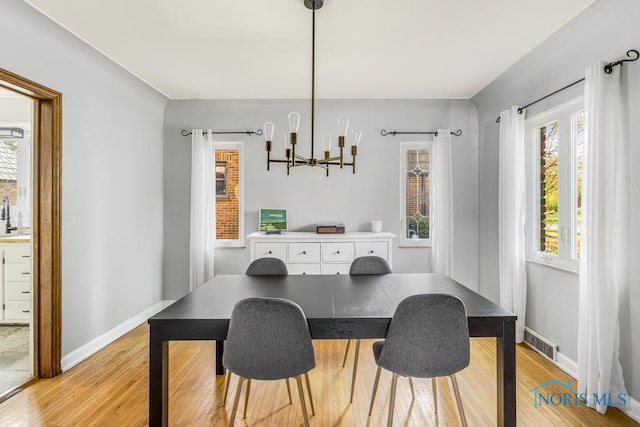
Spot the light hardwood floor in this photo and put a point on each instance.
(110, 388)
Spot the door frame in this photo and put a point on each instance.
(47, 220)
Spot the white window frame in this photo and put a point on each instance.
(403, 241)
(239, 242)
(566, 259)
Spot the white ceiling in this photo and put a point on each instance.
(234, 49)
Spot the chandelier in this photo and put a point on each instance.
(293, 159)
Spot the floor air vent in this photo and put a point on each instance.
(541, 344)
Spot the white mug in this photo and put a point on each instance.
(376, 226)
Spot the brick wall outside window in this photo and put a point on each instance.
(228, 206)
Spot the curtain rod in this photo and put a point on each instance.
(607, 69)
(384, 132)
(248, 132)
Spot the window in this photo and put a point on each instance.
(229, 191)
(556, 141)
(221, 178)
(414, 194)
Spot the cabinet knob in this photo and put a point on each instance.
(269, 252)
(338, 273)
(304, 252)
(371, 251)
(338, 252)
(303, 273)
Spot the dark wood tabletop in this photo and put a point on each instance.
(336, 306)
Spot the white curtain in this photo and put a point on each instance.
(441, 186)
(203, 209)
(604, 262)
(512, 216)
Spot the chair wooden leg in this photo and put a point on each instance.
(392, 399)
(246, 399)
(456, 391)
(289, 391)
(346, 353)
(302, 401)
(434, 391)
(227, 381)
(355, 370)
(375, 389)
(235, 401)
(306, 378)
(413, 393)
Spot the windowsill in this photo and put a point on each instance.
(552, 265)
(408, 245)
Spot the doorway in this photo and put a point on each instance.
(45, 233)
(16, 287)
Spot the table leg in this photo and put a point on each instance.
(158, 378)
(506, 374)
(219, 351)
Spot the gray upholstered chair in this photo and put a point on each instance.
(267, 267)
(428, 338)
(268, 339)
(363, 265)
(261, 267)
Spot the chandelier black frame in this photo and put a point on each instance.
(293, 159)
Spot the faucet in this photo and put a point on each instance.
(6, 214)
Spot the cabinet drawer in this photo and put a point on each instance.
(17, 291)
(337, 268)
(337, 252)
(271, 249)
(17, 272)
(372, 248)
(17, 253)
(17, 310)
(304, 252)
(303, 268)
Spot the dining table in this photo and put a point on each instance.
(336, 307)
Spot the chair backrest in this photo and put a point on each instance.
(369, 264)
(268, 339)
(428, 337)
(267, 267)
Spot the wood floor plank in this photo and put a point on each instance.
(111, 388)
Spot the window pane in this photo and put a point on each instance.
(228, 203)
(549, 188)
(579, 142)
(417, 188)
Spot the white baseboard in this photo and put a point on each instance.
(567, 365)
(78, 355)
(632, 409)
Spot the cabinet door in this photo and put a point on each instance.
(337, 251)
(17, 291)
(17, 310)
(17, 253)
(17, 272)
(271, 250)
(303, 268)
(304, 252)
(380, 249)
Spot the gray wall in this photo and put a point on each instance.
(309, 196)
(112, 174)
(606, 30)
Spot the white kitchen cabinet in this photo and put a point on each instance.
(15, 282)
(311, 253)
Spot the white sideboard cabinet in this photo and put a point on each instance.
(311, 253)
(15, 282)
